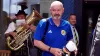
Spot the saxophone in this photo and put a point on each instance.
(22, 33)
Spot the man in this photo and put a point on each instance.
(21, 15)
(72, 21)
(57, 35)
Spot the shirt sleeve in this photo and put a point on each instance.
(10, 28)
(69, 33)
(38, 35)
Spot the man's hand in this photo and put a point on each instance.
(32, 27)
(25, 25)
(76, 51)
(13, 34)
(56, 51)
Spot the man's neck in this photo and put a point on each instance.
(56, 22)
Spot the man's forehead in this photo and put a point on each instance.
(56, 3)
(21, 15)
(72, 16)
(56, 7)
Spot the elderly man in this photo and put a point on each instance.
(57, 34)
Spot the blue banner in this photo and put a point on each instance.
(69, 8)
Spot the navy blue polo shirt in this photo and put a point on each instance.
(56, 37)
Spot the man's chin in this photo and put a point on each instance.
(74, 23)
(56, 18)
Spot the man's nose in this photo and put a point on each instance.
(56, 12)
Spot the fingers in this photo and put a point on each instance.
(25, 25)
(58, 52)
(76, 51)
(33, 28)
(13, 34)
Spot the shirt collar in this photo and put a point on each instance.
(52, 23)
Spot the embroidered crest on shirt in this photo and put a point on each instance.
(63, 32)
(49, 31)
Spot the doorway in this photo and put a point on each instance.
(91, 11)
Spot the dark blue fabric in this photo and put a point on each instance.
(56, 37)
(69, 8)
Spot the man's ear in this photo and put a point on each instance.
(63, 10)
(50, 9)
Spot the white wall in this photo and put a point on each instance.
(44, 6)
(10, 6)
(31, 2)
